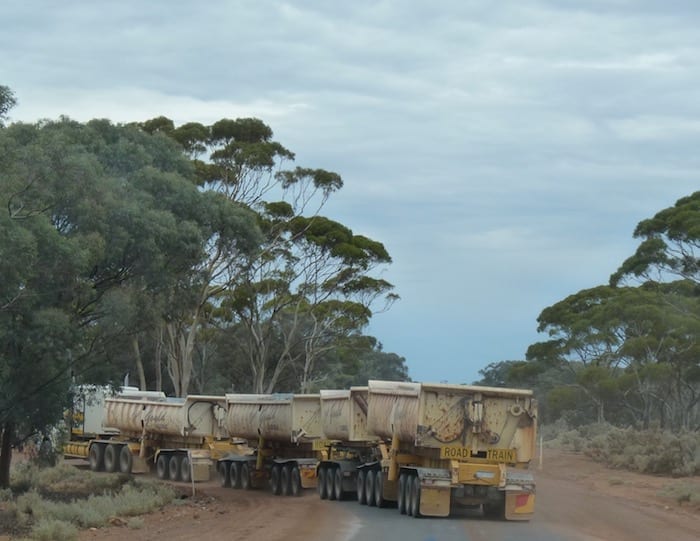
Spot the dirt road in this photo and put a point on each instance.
(578, 500)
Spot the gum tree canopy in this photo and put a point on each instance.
(93, 217)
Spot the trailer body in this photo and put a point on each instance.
(283, 430)
(134, 431)
(436, 446)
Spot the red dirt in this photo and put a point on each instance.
(575, 494)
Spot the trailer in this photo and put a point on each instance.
(348, 443)
(136, 431)
(284, 431)
(439, 446)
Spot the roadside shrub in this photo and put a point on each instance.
(683, 493)
(653, 450)
(54, 530)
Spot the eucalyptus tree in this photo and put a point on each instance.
(310, 279)
(627, 348)
(93, 216)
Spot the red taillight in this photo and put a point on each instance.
(521, 500)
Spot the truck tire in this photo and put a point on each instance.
(401, 494)
(322, 491)
(378, 489)
(185, 469)
(224, 480)
(295, 480)
(234, 475)
(162, 466)
(245, 477)
(330, 483)
(369, 488)
(496, 509)
(361, 498)
(415, 496)
(275, 481)
(285, 480)
(96, 457)
(174, 468)
(111, 458)
(338, 484)
(126, 459)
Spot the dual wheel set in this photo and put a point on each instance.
(330, 483)
(285, 479)
(110, 457)
(173, 466)
(370, 489)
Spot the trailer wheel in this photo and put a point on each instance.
(330, 484)
(245, 477)
(174, 468)
(338, 484)
(361, 498)
(96, 457)
(224, 474)
(401, 496)
(275, 482)
(286, 481)
(162, 466)
(126, 459)
(322, 492)
(369, 488)
(185, 469)
(234, 475)
(415, 497)
(496, 509)
(379, 489)
(111, 458)
(296, 481)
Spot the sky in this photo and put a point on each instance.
(503, 152)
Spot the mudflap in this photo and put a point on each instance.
(519, 505)
(520, 495)
(435, 501)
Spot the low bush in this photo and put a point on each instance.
(646, 451)
(52, 503)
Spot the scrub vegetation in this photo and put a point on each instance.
(54, 503)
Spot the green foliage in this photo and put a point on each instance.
(54, 497)
(7, 102)
(653, 451)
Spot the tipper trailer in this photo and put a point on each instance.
(134, 431)
(348, 442)
(283, 430)
(437, 446)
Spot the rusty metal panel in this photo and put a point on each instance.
(253, 415)
(463, 421)
(133, 416)
(275, 417)
(392, 409)
(306, 417)
(344, 415)
(204, 416)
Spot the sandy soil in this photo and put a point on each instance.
(574, 494)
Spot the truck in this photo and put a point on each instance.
(433, 447)
(283, 430)
(136, 431)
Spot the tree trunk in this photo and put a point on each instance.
(8, 433)
(139, 364)
(157, 360)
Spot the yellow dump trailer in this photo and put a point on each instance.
(135, 431)
(283, 430)
(439, 446)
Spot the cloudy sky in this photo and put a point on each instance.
(502, 151)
